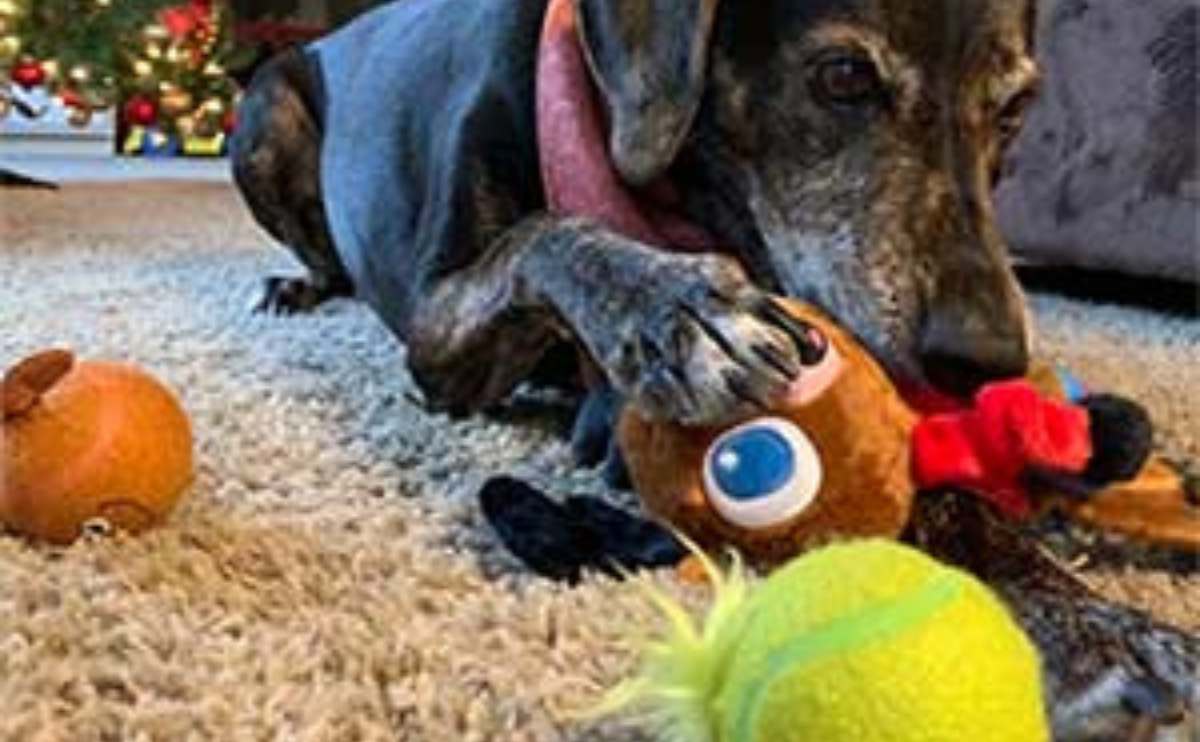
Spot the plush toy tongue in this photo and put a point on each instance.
(577, 172)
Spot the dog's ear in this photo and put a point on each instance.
(649, 58)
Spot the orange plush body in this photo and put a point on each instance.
(89, 440)
(852, 415)
(848, 443)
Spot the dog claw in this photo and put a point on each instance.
(741, 388)
(287, 296)
(1119, 705)
(615, 471)
(592, 433)
(704, 347)
(811, 345)
(781, 362)
(1152, 698)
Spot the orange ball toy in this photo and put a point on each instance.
(88, 440)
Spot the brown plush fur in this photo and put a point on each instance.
(860, 427)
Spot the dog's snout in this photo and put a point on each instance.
(961, 350)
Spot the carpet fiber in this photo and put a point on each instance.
(329, 576)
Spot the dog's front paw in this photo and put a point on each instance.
(289, 295)
(707, 348)
(1120, 706)
(282, 295)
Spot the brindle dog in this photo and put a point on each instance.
(846, 148)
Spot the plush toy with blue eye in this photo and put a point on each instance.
(831, 460)
(843, 455)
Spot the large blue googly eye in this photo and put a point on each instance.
(762, 474)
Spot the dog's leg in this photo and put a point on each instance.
(684, 337)
(276, 163)
(594, 424)
(1109, 669)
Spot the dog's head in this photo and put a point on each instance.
(849, 145)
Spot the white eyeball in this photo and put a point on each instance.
(762, 473)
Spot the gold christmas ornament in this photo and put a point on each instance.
(142, 68)
(51, 68)
(153, 50)
(80, 74)
(8, 8)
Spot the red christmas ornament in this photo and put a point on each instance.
(140, 111)
(179, 22)
(28, 74)
(183, 20)
(72, 99)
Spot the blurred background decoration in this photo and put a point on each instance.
(163, 67)
(159, 77)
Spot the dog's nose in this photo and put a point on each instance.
(961, 352)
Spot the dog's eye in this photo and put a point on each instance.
(846, 79)
(762, 474)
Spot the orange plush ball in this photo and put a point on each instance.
(88, 440)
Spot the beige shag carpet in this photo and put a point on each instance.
(329, 576)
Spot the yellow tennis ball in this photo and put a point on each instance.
(867, 641)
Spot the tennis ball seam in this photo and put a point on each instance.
(875, 623)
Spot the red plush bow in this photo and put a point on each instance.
(1011, 429)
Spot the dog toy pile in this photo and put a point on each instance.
(867, 640)
(844, 456)
(83, 441)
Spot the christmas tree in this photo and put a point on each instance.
(162, 62)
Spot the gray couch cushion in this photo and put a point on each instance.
(1105, 173)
